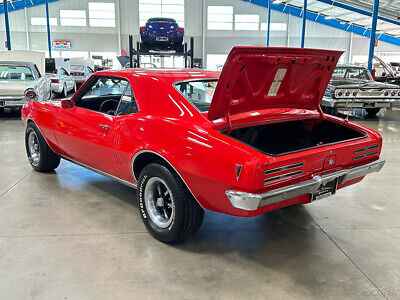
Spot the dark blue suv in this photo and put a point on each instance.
(161, 34)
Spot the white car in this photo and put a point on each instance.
(21, 82)
(81, 73)
(62, 82)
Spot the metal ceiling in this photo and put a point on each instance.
(389, 12)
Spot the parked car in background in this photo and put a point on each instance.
(382, 72)
(161, 34)
(353, 87)
(62, 82)
(167, 133)
(21, 82)
(81, 73)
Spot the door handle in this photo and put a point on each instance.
(105, 127)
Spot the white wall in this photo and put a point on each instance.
(215, 41)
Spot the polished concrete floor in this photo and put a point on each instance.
(74, 234)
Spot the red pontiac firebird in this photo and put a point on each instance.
(245, 141)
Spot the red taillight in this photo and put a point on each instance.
(393, 93)
(180, 29)
(30, 95)
(398, 94)
(340, 94)
(347, 93)
(354, 93)
(386, 93)
(142, 29)
(54, 80)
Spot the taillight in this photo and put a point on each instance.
(347, 93)
(366, 151)
(354, 93)
(31, 95)
(282, 172)
(340, 94)
(393, 93)
(386, 93)
(142, 29)
(180, 29)
(54, 80)
(398, 94)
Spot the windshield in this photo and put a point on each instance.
(351, 73)
(15, 73)
(77, 67)
(199, 93)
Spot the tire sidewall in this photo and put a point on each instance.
(170, 233)
(29, 129)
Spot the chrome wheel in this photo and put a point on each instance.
(34, 148)
(159, 202)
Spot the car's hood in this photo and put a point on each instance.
(359, 83)
(15, 88)
(255, 78)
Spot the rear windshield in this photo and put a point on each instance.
(15, 73)
(161, 20)
(198, 93)
(351, 73)
(77, 67)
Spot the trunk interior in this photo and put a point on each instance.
(280, 138)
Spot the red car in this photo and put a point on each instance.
(242, 142)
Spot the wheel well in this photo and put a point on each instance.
(143, 160)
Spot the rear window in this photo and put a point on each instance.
(77, 67)
(198, 93)
(15, 73)
(161, 20)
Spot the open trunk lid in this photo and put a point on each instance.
(255, 78)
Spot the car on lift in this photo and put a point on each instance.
(21, 82)
(245, 141)
(161, 34)
(353, 87)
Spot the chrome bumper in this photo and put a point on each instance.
(248, 201)
(360, 103)
(12, 101)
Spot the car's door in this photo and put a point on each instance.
(67, 79)
(83, 131)
(42, 84)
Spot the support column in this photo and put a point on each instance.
(303, 29)
(372, 37)
(5, 3)
(268, 21)
(28, 46)
(48, 27)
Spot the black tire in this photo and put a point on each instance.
(47, 160)
(372, 111)
(188, 214)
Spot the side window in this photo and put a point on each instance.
(102, 94)
(127, 105)
(90, 70)
(65, 73)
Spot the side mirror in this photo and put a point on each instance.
(67, 103)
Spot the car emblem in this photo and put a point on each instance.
(331, 162)
(238, 171)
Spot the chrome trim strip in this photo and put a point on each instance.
(251, 202)
(367, 148)
(282, 168)
(298, 172)
(132, 185)
(150, 151)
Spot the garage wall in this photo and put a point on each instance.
(215, 41)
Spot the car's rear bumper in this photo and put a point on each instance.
(251, 202)
(360, 103)
(12, 101)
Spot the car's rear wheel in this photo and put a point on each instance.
(40, 156)
(168, 210)
(372, 111)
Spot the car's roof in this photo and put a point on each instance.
(16, 63)
(167, 75)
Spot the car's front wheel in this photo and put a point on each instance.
(167, 208)
(40, 156)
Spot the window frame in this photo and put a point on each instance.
(89, 84)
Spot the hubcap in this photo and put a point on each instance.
(159, 202)
(34, 150)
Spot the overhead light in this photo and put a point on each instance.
(329, 17)
(277, 1)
